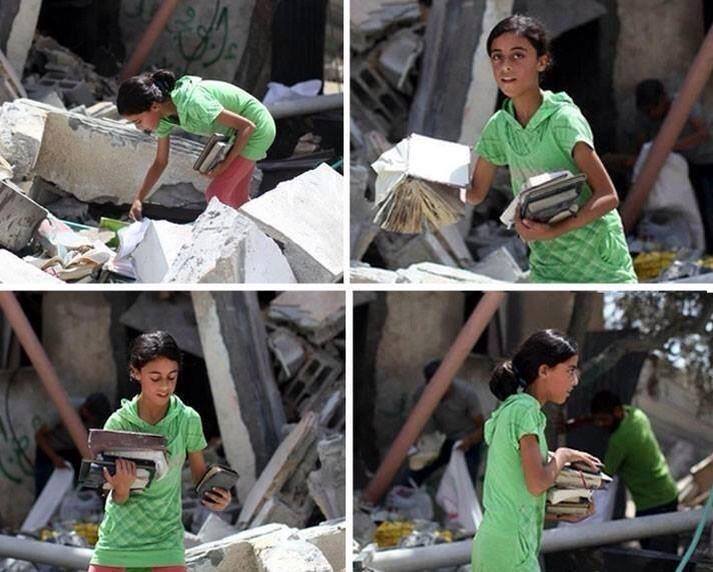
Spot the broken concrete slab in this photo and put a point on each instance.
(289, 351)
(327, 485)
(501, 265)
(155, 254)
(21, 32)
(294, 555)
(306, 215)
(330, 538)
(319, 315)
(429, 273)
(362, 273)
(14, 270)
(227, 247)
(19, 217)
(97, 160)
(215, 528)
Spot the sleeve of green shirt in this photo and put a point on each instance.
(164, 128)
(570, 127)
(195, 440)
(490, 146)
(202, 108)
(524, 421)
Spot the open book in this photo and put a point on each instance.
(215, 151)
(217, 476)
(546, 198)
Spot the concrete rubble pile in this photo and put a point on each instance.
(399, 54)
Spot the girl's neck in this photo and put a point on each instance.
(149, 412)
(526, 105)
(538, 392)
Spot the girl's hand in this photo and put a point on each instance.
(135, 211)
(530, 230)
(218, 169)
(574, 456)
(123, 478)
(216, 499)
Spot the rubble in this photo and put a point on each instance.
(312, 241)
(155, 255)
(362, 273)
(14, 270)
(330, 500)
(430, 273)
(19, 217)
(320, 315)
(21, 32)
(226, 246)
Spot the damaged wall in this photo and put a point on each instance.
(419, 326)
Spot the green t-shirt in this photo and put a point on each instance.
(147, 530)
(199, 102)
(509, 536)
(634, 454)
(596, 252)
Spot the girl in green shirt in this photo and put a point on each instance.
(518, 473)
(144, 531)
(158, 103)
(539, 131)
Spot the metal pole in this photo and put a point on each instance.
(435, 390)
(32, 346)
(306, 106)
(45, 553)
(553, 540)
(693, 85)
(152, 33)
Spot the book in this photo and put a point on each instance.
(91, 474)
(216, 476)
(101, 440)
(215, 151)
(575, 509)
(418, 184)
(556, 496)
(546, 198)
(571, 478)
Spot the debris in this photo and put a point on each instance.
(430, 273)
(320, 315)
(158, 249)
(10, 85)
(500, 265)
(418, 184)
(398, 58)
(327, 485)
(49, 500)
(226, 246)
(14, 270)
(361, 273)
(215, 528)
(305, 215)
(288, 350)
(695, 487)
(19, 217)
(22, 126)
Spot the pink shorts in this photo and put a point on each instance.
(232, 186)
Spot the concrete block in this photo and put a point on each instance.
(430, 273)
(227, 247)
(215, 528)
(306, 215)
(19, 217)
(14, 270)
(500, 265)
(294, 555)
(105, 161)
(365, 274)
(318, 315)
(327, 484)
(22, 31)
(155, 254)
(22, 126)
(330, 537)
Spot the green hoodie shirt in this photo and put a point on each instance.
(147, 529)
(510, 533)
(596, 252)
(199, 102)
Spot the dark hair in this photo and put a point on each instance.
(527, 27)
(605, 402)
(649, 93)
(546, 347)
(137, 94)
(152, 345)
(429, 370)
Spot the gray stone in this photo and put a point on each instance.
(14, 270)
(215, 528)
(330, 537)
(227, 247)
(161, 244)
(306, 215)
(361, 273)
(22, 32)
(500, 265)
(430, 273)
(294, 555)
(19, 217)
(22, 125)
(327, 485)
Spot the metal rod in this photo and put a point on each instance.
(432, 394)
(32, 346)
(45, 552)
(553, 540)
(671, 128)
(147, 41)
(306, 106)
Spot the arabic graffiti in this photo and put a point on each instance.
(14, 452)
(200, 38)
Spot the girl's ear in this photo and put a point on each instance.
(543, 370)
(134, 374)
(543, 63)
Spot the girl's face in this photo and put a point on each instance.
(561, 379)
(516, 66)
(148, 120)
(157, 379)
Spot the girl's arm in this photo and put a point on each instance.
(244, 127)
(122, 480)
(480, 181)
(604, 199)
(153, 175)
(541, 476)
(216, 498)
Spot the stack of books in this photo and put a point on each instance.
(215, 151)
(419, 183)
(217, 476)
(573, 490)
(147, 450)
(546, 198)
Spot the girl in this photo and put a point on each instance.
(157, 103)
(518, 474)
(539, 131)
(144, 530)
